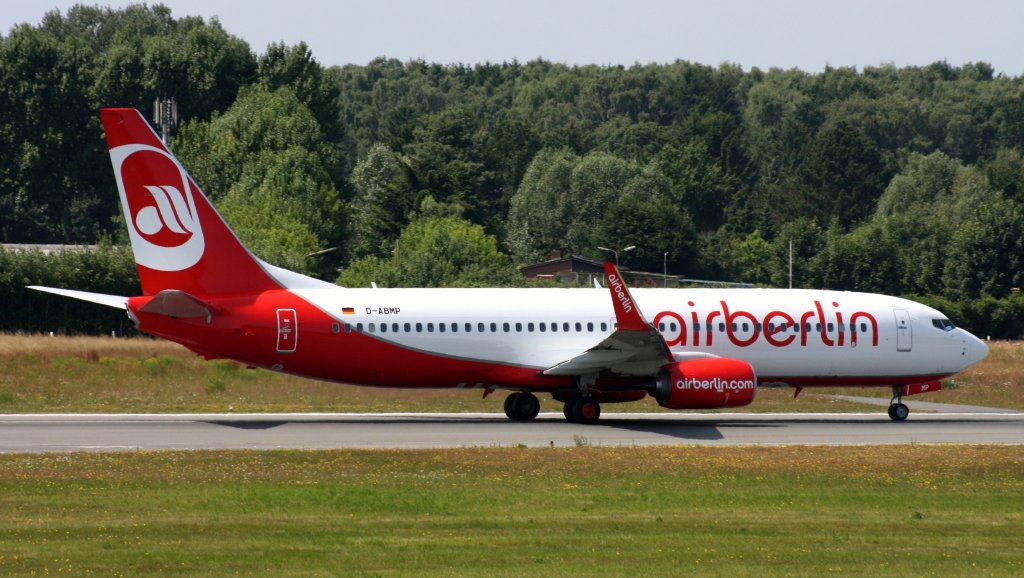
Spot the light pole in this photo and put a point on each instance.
(664, 269)
(616, 252)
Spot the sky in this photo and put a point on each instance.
(804, 34)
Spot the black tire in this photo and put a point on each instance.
(586, 411)
(899, 411)
(567, 410)
(526, 406)
(510, 405)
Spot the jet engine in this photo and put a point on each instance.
(705, 383)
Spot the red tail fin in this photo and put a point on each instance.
(627, 313)
(179, 240)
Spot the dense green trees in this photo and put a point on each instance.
(902, 180)
(436, 251)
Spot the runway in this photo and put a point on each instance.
(113, 432)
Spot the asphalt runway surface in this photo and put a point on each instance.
(81, 432)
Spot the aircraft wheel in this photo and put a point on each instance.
(898, 411)
(526, 406)
(586, 410)
(567, 409)
(510, 405)
(522, 406)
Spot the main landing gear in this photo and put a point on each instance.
(522, 406)
(584, 410)
(898, 410)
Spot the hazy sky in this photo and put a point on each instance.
(806, 34)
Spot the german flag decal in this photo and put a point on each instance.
(348, 310)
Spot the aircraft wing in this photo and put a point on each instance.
(634, 348)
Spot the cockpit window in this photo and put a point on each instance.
(943, 324)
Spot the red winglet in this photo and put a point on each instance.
(627, 313)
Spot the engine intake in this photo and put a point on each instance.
(705, 384)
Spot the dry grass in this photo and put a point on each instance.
(85, 347)
(140, 374)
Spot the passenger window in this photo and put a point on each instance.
(505, 327)
(440, 327)
(519, 327)
(348, 328)
(383, 327)
(542, 326)
(373, 328)
(469, 328)
(554, 327)
(419, 328)
(830, 328)
(565, 326)
(430, 327)
(494, 327)
(529, 327)
(604, 326)
(579, 327)
(863, 327)
(733, 326)
(721, 327)
(335, 328)
(661, 327)
(480, 327)
(590, 326)
(407, 328)
(359, 327)
(817, 327)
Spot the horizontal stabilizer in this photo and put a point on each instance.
(100, 298)
(179, 305)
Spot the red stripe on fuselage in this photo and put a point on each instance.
(247, 333)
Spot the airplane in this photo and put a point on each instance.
(701, 348)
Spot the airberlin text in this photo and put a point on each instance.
(620, 293)
(717, 384)
(778, 328)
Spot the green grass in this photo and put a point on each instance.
(917, 510)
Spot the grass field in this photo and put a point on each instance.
(807, 511)
(101, 374)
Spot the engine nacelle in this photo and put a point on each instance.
(705, 384)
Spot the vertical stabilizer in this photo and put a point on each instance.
(179, 240)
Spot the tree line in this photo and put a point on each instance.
(906, 181)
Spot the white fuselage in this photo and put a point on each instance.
(789, 336)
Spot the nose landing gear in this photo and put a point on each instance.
(898, 411)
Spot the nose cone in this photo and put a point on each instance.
(974, 350)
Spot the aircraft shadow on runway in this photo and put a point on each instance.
(705, 430)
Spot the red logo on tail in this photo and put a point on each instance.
(159, 205)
